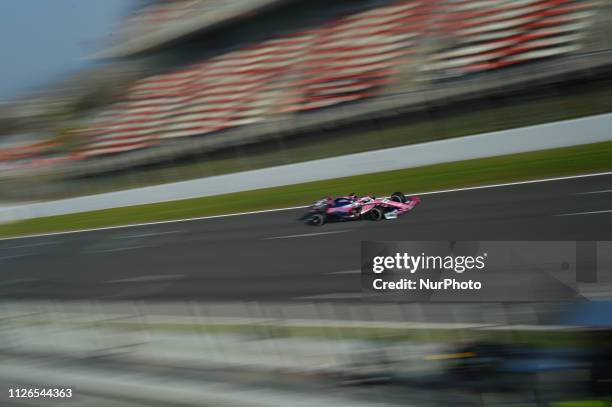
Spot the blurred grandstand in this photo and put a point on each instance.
(219, 74)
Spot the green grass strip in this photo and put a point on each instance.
(590, 158)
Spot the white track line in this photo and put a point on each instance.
(172, 232)
(148, 279)
(305, 235)
(15, 256)
(163, 222)
(509, 184)
(594, 192)
(345, 272)
(300, 207)
(121, 249)
(23, 246)
(330, 296)
(585, 213)
(18, 281)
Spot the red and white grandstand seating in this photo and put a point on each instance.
(25, 151)
(491, 34)
(348, 59)
(29, 155)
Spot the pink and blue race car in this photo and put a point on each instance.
(353, 207)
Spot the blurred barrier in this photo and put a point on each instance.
(266, 354)
(552, 135)
(297, 337)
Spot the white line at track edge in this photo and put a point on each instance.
(306, 235)
(585, 213)
(595, 192)
(344, 272)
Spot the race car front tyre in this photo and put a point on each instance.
(375, 214)
(318, 219)
(398, 197)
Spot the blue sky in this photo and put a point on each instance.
(42, 40)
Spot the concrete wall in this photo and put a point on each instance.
(552, 135)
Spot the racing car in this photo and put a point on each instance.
(353, 207)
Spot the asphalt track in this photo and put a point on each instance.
(273, 257)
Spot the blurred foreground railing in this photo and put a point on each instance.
(263, 354)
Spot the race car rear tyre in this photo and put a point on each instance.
(375, 214)
(318, 219)
(398, 197)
